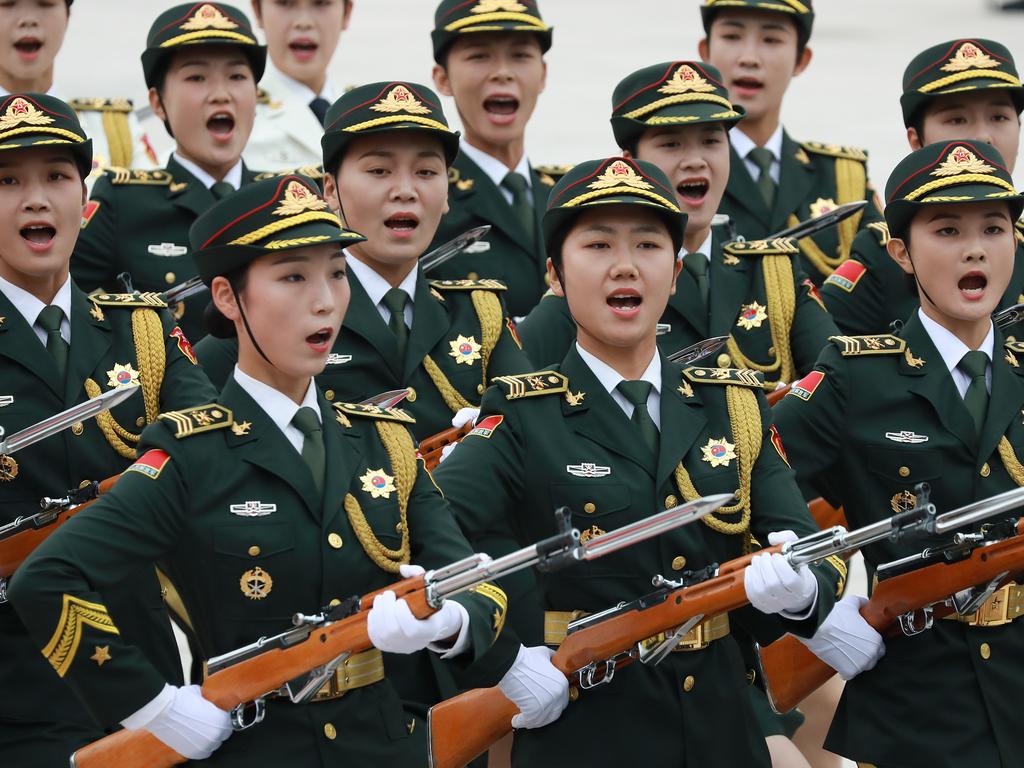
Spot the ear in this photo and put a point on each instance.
(441, 80)
(156, 103)
(224, 298)
(703, 49)
(85, 196)
(331, 191)
(553, 282)
(804, 61)
(544, 76)
(897, 249)
(627, 154)
(913, 139)
(348, 14)
(675, 275)
(447, 207)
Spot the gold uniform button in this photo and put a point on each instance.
(986, 651)
(85, 484)
(170, 278)
(590, 508)
(77, 428)
(335, 541)
(329, 394)
(140, 422)
(334, 601)
(480, 389)
(574, 693)
(986, 470)
(670, 501)
(254, 551)
(678, 563)
(399, 527)
(473, 276)
(330, 731)
(904, 471)
(724, 361)
(411, 396)
(689, 682)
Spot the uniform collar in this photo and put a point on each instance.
(610, 378)
(297, 89)
(705, 247)
(279, 407)
(233, 177)
(375, 285)
(743, 143)
(494, 168)
(51, 92)
(30, 307)
(950, 348)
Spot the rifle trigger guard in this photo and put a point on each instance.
(238, 719)
(587, 680)
(909, 625)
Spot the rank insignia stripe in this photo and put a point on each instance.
(203, 418)
(151, 463)
(741, 377)
(906, 436)
(587, 469)
(856, 346)
(805, 388)
(847, 275)
(532, 384)
(485, 427)
(76, 614)
(252, 508)
(89, 211)
(374, 412)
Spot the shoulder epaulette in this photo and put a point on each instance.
(532, 384)
(550, 174)
(101, 105)
(468, 285)
(262, 96)
(835, 150)
(119, 176)
(315, 172)
(131, 300)
(203, 418)
(780, 246)
(455, 177)
(1014, 346)
(881, 230)
(374, 412)
(742, 377)
(854, 346)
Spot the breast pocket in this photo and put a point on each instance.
(905, 466)
(253, 565)
(593, 503)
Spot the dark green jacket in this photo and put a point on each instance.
(179, 511)
(961, 708)
(871, 290)
(534, 433)
(138, 222)
(41, 712)
(364, 360)
(737, 282)
(474, 200)
(809, 178)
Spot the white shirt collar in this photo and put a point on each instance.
(376, 286)
(610, 379)
(743, 143)
(704, 249)
(29, 306)
(233, 177)
(278, 406)
(950, 348)
(301, 90)
(51, 92)
(494, 168)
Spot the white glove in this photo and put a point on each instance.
(845, 641)
(773, 586)
(536, 686)
(393, 628)
(446, 451)
(464, 416)
(408, 571)
(183, 720)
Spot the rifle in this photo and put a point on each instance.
(297, 662)
(595, 646)
(910, 594)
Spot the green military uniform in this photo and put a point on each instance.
(115, 340)
(814, 177)
(870, 290)
(137, 221)
(877, 416)
(227, 505)
(509, 253)
(556, 437)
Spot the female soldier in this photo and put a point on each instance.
(939, 402)
(60, 347)
(616, 432)
(267, 502)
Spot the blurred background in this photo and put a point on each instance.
(849, 95)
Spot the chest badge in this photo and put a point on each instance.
(6, 400)
(241, 429)
(256, 583)
(718, 453)
(465, 350)
(378, 483)
(906, 436)
(821, 206)
(166, 249)
(751, 316)
(904, 501)
(587, 469)
(253, 509)
(591, 532)
(574, 398)
(685, 389)
(335, 359)
(122, 375)
(8, 468)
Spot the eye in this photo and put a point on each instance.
(649, 245)
(956, 120)
(239, 76)
(947, 232)
(194, 78)
(669, 144)
(58, 176)
(428, 172)
(994, 229)
(597, 245)
(340, 274)
(712, 140)
(1000, 118)
(8, 181)
(293, 277)
(377, 171)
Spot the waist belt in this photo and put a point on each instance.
(556, 624)
(357, 671)
(1005, 605)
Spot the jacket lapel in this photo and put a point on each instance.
(430, 322)
(90, 341)
(19, 343)
(342, 448)
(483, 200)
(186, 191)
(363, 319)
(729, 284)
(294, 117)
(1005, 402)
(686, 303)
(743, 191)
(682, 421)
(795, 180)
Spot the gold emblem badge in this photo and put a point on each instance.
(208, 17)
(400, 99)
(492, 6)
(751, 316)
(685, 389)
(97, 313)
(686, 80)
(962, 160)
(822, 205)
(378, 483)
(574, 398)
(21, 111)
(464, 185)
(591, 532)
(619, 173)
(256, 583)
(913, 362)
(1012, 359)
(122, 375)
(241, 429)
(8, 468)
(718, 453)
(903, 501)
(102, 655)
(969, 56)
(465, 350)
(298, 198)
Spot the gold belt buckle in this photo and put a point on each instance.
(695, 639)
(332, 689)
(995, 611)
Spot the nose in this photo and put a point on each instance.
(624, 265)
(36, 199)
(403, 189)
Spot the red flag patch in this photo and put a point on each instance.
(486, 427)
(150, 464)
(777, 442)
(184, 344)
(806, 386)
(813, 292)
(89, 211)
(847, 275)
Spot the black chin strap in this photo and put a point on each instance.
(245, 321)
(921, 288)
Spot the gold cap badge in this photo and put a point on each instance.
(298, 198)
(491, 6)
(208, 17)
(21, 111)
(400, 99)
(619, 173)
(962, 160)
(969, 56)
(686, 80)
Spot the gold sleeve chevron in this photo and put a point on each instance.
(75, 615)
(856, 346)
(840, 565)
(881, 230)
(497, 596)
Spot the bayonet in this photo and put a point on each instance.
(451, 249)
(697, 351)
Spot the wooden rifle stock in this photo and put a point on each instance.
(16, 548)
(777, 394)
(791, 672)
(430, 448)
(251, 679)
(827, 516)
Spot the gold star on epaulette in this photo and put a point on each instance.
(102, 655)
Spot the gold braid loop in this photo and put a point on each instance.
(116, 435)
(449, 393)
(851, 183)
(402, 453)
(1010, 461)
(488, 312)
(745, 422)
(781, 299)
(119, 138)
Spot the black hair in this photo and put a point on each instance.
(216, 323)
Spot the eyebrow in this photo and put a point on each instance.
(390, 153)
(763, 25)
(52, 160)
(199, 62)
(289, 258)
(638, 229)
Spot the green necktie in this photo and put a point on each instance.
(49, 320)
(697, 265)
(637, 392)
(522, 205)
(975, 364)
(763, 159)
(395, 300)
(306, 421)
(221, 189)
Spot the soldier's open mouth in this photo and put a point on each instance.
(693, 190)
(303, 49)
(221, 124)
(39, 234)
(402, 223)
(747, 85)
(28, 45)
(972, 285)
(502, 105)
(624, 302)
